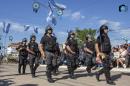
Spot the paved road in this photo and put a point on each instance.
(9, 77)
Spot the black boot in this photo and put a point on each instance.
(110, 82)
(24, 68)
(19, 68)
(50, 80)
(33, 74)
(71, 75)
(54, 72)
(97, 76)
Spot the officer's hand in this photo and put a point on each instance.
(98, 57)
(43, 55)
(98, 54)
(73, 53)
(33, 53)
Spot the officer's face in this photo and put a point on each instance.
(24, 43)
(106, 31)
(33, 39)
(72, 35)
(50, 31)
(89, 39)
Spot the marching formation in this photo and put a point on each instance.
(49, 50)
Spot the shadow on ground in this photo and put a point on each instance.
(6, 82)
(18, 74)
(116, 77)
(29, 85)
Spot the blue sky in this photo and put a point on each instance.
(79, 13)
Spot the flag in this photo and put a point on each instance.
(26, 27)
(4, 27)
(7, 28)
(36, 30)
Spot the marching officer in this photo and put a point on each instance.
(103, 50)
(47, 48)
(34, 55)
(89, 51)
(23, 54)
(72, 54)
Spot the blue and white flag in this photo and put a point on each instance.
(26, 27)
(36, 30)
(7, 28)
(54, 21)
(4, 24)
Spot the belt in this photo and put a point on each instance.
(52, 51)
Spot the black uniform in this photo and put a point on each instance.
(49, 44)
(56, 60)
(33, 58)
(89, 57)
(72, 59)
(23, 54)
(105, 47)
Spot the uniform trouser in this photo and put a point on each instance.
(89, 60)
(71, 63)
(55, 63)
(34, 63)
(51, 62)
(106, 68)
(22, 63)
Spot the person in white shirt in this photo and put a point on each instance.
(121, 59)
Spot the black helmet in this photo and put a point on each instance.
(88, 37)
(102, 28)
(48, 28)
(71, 33)
(32, 36)
(24, 40)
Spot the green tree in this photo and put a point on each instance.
(81, 34)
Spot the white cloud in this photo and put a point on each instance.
(1, 25)
(61, 36)
(67, 13)
(111, 24)
(77, 16)
(17, 27)
(62, 33)
(103, 21)
(95, 18)
(74, 15)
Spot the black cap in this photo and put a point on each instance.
(104, 27)
(49, 27)
(32, 36)
(24, 40)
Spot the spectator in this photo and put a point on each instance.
(116, 56)
(127, 61)
(122, 57)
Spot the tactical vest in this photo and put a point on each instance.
(50, 44)
(73, 45)
(23, 51)
(33, 47)
(105, 45)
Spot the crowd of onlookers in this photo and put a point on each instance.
(121, 55)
